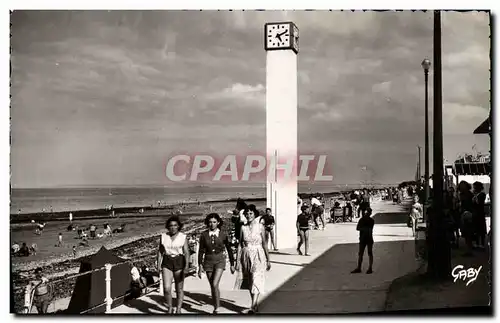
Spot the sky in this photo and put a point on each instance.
(107, 97)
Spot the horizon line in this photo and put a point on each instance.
(189, 185)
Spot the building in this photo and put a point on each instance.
(472, 167)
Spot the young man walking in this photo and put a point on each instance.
(365, 228)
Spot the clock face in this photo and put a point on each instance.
(278, 36)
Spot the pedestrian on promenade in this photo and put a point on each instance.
(172, 261)
(364, 203)
(38, 293)
(466, 211)
(299, 204)
(253, 258)
(365, 228)
(317, 211)
(238, 217)
(479, 216)
(451, 207)
(268, 221)
(211, 258)
(354, 202)
(303, 229)
(415, 213)
(237, 224)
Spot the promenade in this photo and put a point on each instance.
(321, 283)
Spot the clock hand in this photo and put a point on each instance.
(281, 34)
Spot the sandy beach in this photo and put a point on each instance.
(139, 241)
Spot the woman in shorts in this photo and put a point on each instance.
(303, 229)
(172, 254)
(211, 258)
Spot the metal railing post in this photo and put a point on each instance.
(109, 299)
(160, 281)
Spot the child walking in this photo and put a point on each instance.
(365, 228)
(303, 229)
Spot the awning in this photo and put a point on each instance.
(472, 169)
(484, 128)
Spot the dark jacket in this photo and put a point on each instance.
(209, 246)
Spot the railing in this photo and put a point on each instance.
(108, 299)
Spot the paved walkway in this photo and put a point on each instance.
(321, 283)
(415, 292)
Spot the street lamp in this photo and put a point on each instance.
(439, 253)
(426, 64)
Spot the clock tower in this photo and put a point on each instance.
(282, 46)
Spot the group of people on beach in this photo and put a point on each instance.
(23, 250)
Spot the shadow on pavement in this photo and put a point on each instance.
(415, 291)
(391, 218)
(392, 235)
(204, 299)
(287, 263)
(147, 307)
(327, 286)
(282, 253)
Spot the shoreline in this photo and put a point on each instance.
(133, 211)
(123, 212)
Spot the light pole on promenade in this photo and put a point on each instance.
(426, 64)
(439, 253)
(419, 165)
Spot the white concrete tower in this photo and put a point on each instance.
(281, 45)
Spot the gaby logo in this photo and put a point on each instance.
(469, 275)
(244, 168)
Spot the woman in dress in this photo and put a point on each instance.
(253, 258)
(211, 258)
(172, 255)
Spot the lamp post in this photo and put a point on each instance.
(426, 64)
(419, 165)
(439, 253)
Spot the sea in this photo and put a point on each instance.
(35, 200)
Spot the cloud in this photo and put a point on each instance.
(384, 87)
(462, 118)
(252, 96)
(137, 85)
(244, 89)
